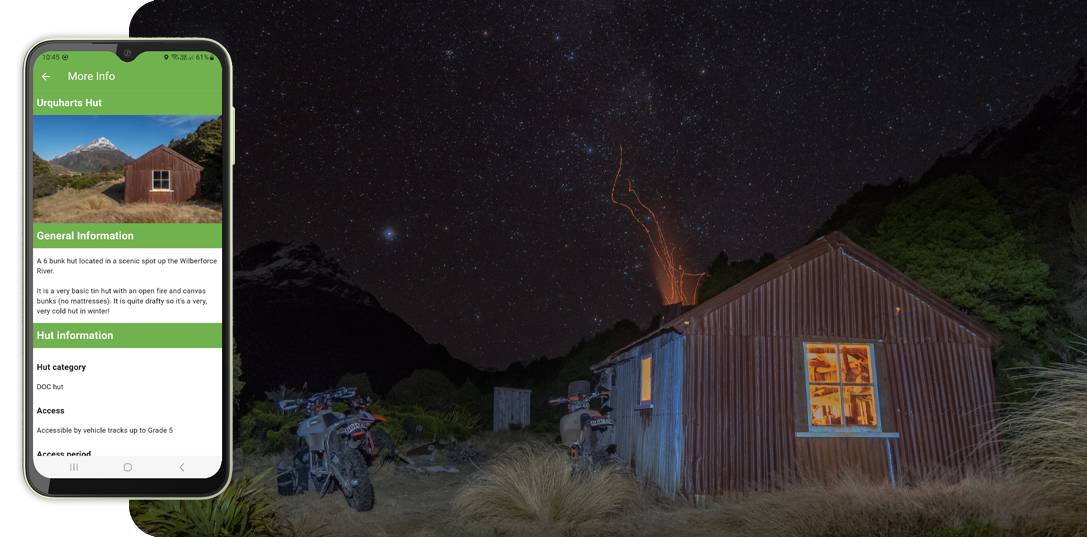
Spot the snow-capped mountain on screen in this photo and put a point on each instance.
(91, 157)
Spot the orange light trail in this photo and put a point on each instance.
(672, 288)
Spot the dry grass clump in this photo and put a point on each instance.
(95, 203)
(92, 206)
(1045, 439)
(857, 507)
(536, 483)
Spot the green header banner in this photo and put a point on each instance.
(128, 335)
(155, 83)
(128, 236)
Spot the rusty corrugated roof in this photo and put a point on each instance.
(820, 246)
(171, 152)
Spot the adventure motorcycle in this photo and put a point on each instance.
(577, 427)
(333, 447)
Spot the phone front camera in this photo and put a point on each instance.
(128, 53)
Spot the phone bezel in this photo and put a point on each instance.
(127, 488)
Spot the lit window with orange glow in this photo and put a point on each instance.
(646, 396)
(841, 387)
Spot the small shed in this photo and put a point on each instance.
(511, 407)
(162, 175)
(828, 361)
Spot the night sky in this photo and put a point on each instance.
(457, 157)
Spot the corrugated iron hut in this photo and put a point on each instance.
(828, 360)
(511, 407)
(162, 175)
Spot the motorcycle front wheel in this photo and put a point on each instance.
(357, 489)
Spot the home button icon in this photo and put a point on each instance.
(128, 467)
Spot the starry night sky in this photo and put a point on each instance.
(457, 157)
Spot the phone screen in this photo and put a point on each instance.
(127, 268)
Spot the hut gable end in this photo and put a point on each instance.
(834, 287)
(180, 159)
(142, 174)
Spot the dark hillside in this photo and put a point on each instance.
(299, 319)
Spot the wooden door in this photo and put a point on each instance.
(162, 196)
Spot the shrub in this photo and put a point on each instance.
(953, 237)
(425, 387)
(394, 427)
(44, 185)
(41, 166)
(434, 425)
(79, 182)
(537, 483)
(468, 398)
(359, 381)
(265, 429)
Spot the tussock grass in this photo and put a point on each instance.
(92, 206)
(95, 203)
(534, 482)
(973, 506)
(1045, 439)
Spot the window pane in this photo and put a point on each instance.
(156, 184)
(826, 405)
(156, 175)
(166, 174)
(822, 363)
(647, 379)
(858, 364)
(860, 406)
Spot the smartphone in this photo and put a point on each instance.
(127, 335)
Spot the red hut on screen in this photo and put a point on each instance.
(162, 175)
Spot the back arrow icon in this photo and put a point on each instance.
(45, 77)
(182, 467)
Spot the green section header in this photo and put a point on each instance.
(155, 83)
(128, 335)
(128, 235)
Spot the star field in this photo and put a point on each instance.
(457, 157)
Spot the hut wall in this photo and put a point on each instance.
(511, 406)
(184, 179)
(740, 401)
(652, 440)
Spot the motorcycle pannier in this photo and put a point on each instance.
(285, 479)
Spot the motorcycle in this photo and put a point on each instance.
(578, 426)
(333, 448)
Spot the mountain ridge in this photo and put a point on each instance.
(301, 320)
(91, 157)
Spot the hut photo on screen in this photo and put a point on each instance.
(128, 169)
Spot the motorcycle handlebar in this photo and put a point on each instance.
(555, 401)
(321, 398)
